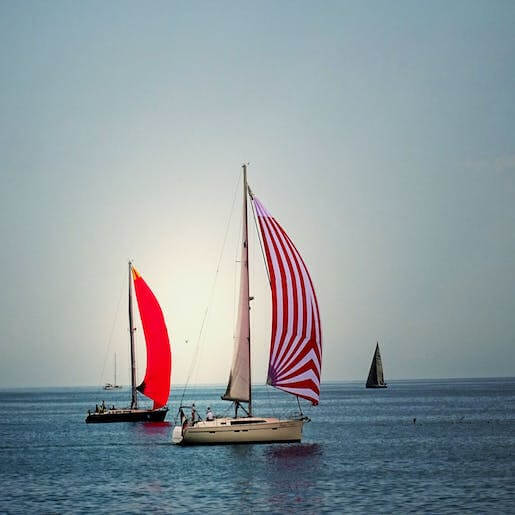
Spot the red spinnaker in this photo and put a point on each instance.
(156, 384)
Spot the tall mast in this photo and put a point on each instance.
(134, 401)
(115, 369)
(246, 263)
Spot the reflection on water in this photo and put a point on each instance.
(242, 451)
(284, 453)
(293, 472)
(154, 428)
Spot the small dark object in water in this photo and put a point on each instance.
(415, 420)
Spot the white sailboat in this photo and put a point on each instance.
(113, 386)
(295, 349)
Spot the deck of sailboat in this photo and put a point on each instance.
(241, 430)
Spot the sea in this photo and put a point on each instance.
(424, 446)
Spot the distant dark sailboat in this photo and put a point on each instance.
(156, 384)
(375, 376)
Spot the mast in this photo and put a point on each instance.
(115, 369)
(246, 263)
(134, 401)
(239, 384)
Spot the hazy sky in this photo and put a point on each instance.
(380, 135)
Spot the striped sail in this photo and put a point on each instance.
(296, 340)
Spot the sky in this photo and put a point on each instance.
(379, 134)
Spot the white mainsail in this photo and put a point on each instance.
(238, 388)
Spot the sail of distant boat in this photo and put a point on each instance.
(375, 376)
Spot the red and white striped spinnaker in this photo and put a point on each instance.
(296, 341)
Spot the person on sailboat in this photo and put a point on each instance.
(209, 414)
(184, 420)
(193, 413)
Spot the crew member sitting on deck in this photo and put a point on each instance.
(209, 414)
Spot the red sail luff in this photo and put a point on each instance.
(296, 340)
(156, 384)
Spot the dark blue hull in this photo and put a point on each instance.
(128, 415)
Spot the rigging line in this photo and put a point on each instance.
(235, 305)
(210, 300)
(112, 331)
(135, 328)
(267, 389)
(300, 409)
(260, 241)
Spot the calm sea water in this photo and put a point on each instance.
(361, 453)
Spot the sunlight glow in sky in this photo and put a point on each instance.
(380, 135)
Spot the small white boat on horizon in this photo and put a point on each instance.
(113, 386)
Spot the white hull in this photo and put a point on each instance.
(239, 430)
(112, 387)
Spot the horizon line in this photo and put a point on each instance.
(328, 382)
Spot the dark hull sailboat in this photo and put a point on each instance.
(156, 384)
(375, 376)
(128, 415)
